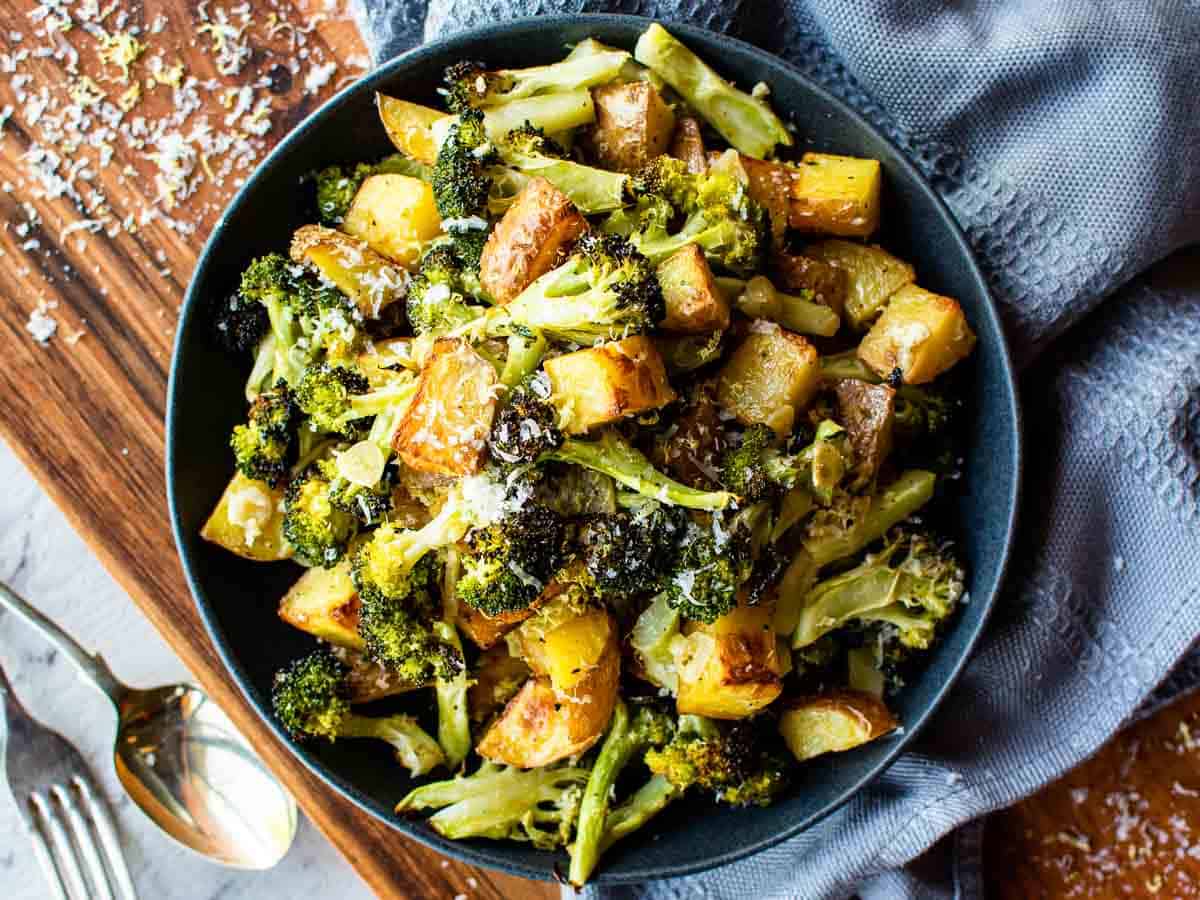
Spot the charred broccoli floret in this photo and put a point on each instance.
(511, 561)
(310, 699)
(470, 84)
(239, 324)
(912, 584)
(461, 182)
(716, 210)
(324, 394)
(262, 446)
(757, 469)
(630, 552)
(711, 566)
(630, 736)
(726, 760)
(538, 806)
(527, 425)
(318, 530)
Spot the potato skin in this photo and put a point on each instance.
(920, 333)
(694, 448)
(797, 272)
(369, 278)
(525, 244)
(688, 145)
(769, 379)
(444, 431)
(409, 126)
(264, 505)
(540, 726)
(608, 382)
(833, 722)
(867, 411)
(694, 303)
(633, 125)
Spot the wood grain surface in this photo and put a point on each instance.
(84, 410)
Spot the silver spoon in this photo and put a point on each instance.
(182, 761)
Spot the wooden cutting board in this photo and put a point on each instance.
(87, 417)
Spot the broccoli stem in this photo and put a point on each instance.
(454, 724)
(643, 805)
(745, 121)
(524, 356)
(616, 752)
(847, 365)
(560, 111)
(581, 71)
(612, 456)
(264, 366)
(592, 190)
(416, 750)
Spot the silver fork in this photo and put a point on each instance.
(72, 831)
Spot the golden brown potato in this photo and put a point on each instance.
(828, 283)
(540, 726)
(248, 521)
(831, 723)
(409, 126)
(836, 195)
(688, 145)
(325, 604)
(526, 243)
(920, 333)
(872, 273)
(567, 654)
(867, 411)
(732, 668)
(693, 302)
(370, 279)
(395, 215)
(497, 678)
(445, 429)
(486, 631)
(609, 382)
(633, 125)
(770, 378)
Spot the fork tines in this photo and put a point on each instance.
(76, 842)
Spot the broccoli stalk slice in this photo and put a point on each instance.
(525, 352)
(847, 365)
(611, 455)
(591, 189)
(263, 370)
(415, 749)
(470, 84)
(628, 738)
(454, 723)
(535, 805)
(745, 121)
(636, 810)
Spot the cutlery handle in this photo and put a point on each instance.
(90, 666)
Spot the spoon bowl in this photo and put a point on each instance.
(184, 764)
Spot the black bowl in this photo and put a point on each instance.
(237, 599)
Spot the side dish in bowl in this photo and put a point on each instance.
(618, 458)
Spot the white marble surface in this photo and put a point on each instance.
(45, 561)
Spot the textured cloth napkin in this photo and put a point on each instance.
(1065, 137)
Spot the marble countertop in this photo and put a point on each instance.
(45, 561)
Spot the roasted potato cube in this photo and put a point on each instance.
(526, 243)
(567, 654)
(497, 677)
(608, 382)
(770, 378)
(872, 273)
(370, 279)
(828, 283)
(732, 668)
(688, 145)
(368, 681)
(836, 195)
(540, 725)
(248, 521)
(833, 722)
(694, 304)
(410, 127)
(325, 604)
(633, 125)
(396, 215)
(920, 333)
(445, 429)
(867, 411)
(772, 185)
(693, 449)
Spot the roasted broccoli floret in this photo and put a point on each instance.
(262, 446)
(630, 736)
(605, 291)
(727, 760)
(716, 210)
(239, 324)
(630, 552)
(318, 530)
(612, 455)
(912, 584)
(324, 393)
(710, 568)
(538, 806)
(436, 299)
(511, 561)
(461, 182)
(469, 84)
(924, 429)
(310, 699)
(757, 469)
(527, 425)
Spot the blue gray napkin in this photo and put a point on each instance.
(1065, 137)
